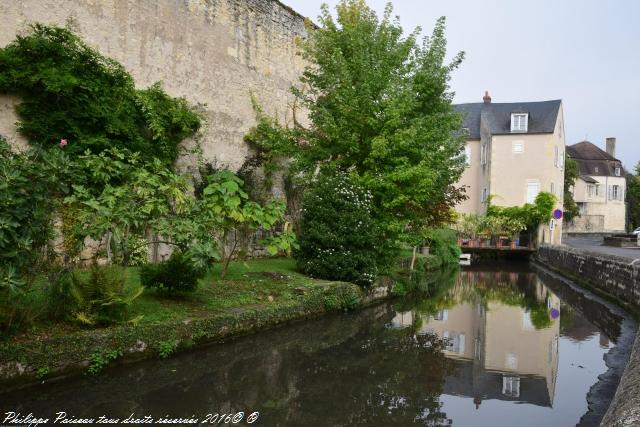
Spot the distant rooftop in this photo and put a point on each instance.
(497, 116)
(592, 160)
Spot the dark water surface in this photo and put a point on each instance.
(478, 348)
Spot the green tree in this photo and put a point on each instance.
(633, 198)
(570, 175)
(380, 108)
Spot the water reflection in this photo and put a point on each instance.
(476, 348)
(502, 329)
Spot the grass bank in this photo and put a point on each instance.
(254, 295)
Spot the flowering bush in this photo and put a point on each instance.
(339, 238)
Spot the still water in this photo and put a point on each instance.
(475, 348)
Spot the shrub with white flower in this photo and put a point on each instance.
(339, 237)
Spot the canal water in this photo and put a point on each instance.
(474, 348)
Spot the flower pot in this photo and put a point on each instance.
(424, 250)
(512, 244)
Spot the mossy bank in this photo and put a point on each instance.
(47, 354)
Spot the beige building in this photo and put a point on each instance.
(499, 352)
(599, 190)
(514, 151)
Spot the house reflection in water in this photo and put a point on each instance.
(502, 330)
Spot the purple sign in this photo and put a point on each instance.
(555, 313)
(557, 214)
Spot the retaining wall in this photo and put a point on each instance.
(620, 278)
(614, 275)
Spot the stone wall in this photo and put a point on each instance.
(620, 278)
(215, 53)
(611, 274)
(585, 224)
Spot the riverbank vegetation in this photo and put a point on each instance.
(374, 170)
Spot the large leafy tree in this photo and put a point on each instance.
(380, 108)
(633, 198)
(570, 175)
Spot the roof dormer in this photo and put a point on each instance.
(519, 122)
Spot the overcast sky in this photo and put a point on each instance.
(585, 52)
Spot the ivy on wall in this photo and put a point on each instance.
(71, 92)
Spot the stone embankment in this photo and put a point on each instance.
(617, 278)
(25, 362)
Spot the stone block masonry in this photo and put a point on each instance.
(215, 53)
(619, 277)
(616, 276)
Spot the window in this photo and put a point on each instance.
(555, 156)
(533, 188)
(590, 190)
(615, 192)
(561, 159)
(484, 195)
(595, 170)
(519, 122)
(483, 154)
(553, 188)
(467, 155)
(517, 147)
(617, 171)
(511, 361)
(597, 190)
(511, 386)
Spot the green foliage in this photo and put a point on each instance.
(571, 173)
(443, 243)
(101, 299)
(70, 91)
(42, 373)
(101, 359)
(531, 215)
(167, 348)
(123, 198)
(174, 276)
(12, 301)
(270, 143)
(380, 107)
(339, 238)
(29, 183)
(230, 216)
(633, 198)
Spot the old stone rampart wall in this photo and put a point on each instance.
(215, 53)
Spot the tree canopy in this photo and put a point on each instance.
(380, 108)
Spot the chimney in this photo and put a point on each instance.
(611, 147)
(486, 98)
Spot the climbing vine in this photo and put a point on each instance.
(71, 92)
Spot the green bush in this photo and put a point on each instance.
(71, 92)
(443, 243)
(339, 238)
(101, 298)
(173, 276)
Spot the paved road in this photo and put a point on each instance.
(594, 244)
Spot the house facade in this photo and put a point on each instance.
(599, 190)
(514, 151)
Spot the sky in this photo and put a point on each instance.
(585, 52)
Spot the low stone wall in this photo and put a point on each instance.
(619, 278)
(614, 275)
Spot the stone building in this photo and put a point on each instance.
(599, 190)
(514, 151)
(215, 53)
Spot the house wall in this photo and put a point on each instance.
(506, 174)
(212, 52)
(535, 352)
(471, 180)
(611, 214)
